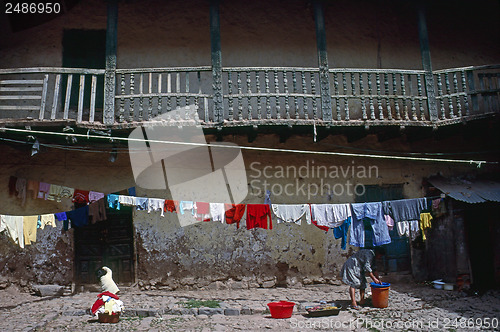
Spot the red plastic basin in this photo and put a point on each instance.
(281, 309)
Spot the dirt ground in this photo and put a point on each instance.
(412, 307)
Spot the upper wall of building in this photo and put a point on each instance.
(360, 34)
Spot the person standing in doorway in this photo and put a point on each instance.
(354, 270)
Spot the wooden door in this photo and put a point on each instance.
(106, 243)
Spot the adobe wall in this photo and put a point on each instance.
(172, 256)
(362, 34)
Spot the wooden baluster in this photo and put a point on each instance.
(346, 102)
(80, 98)
(230, 92)
(296, 99)
(448, 92)
(92, 98)
(387, 99)
(56, 96)
(403, 92)
(353, 91)
(457, 98)
(188, 98)
(249, 91)
(466, 97)
(420, 99)
(337, 97)
(150, 92)
(121, 110)
(169, 98)
(268, 98)
(197, 99)
(132, 99)
(362, 93)
(240, 98)
(304, 92)
(379, 97)
(440, 94)
(177, 96)
(277, 92)
(160, 98)
(370, 97)
(257, 86)
(43, 102)
(395, 92)
(68, 95)
(141, 102)
(313, 92)
(287, 101)
(413, 102)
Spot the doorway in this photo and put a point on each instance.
(397, 258)
(106, 243)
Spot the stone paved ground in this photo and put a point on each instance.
(411, 307)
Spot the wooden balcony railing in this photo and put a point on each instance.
(251, 96)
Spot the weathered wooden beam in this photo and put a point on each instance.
(426, 63)
(216, 54)
(324, 77)
(110, 74)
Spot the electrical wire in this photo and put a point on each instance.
(478, 163)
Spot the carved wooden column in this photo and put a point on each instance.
(110, 74)
(324, 78)
(216, 61)
(426, 62)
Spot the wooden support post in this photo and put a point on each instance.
(426, 62)
(324, 77)
(110, 74)
(218, 115)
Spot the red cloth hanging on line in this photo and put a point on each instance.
(257, 216)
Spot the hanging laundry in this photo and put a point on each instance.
(54, 193)
(258, 215)
(61, 216)
(330, 215)
(374, 212)
(405, 209)
(234, 213)
(47, 220)
(12, 186)
(156, 204)
(95, 196)
(187, 206)
(67, 192)
(389, 221)
(217, 211)
(79, 217)
(14, 227)
(97, 211)
(127, 200)
(43, 190)
(341, 232)
(290, 212)
(409, 229)
(113, 201)
(414, 229)
(32, 188)
(202, 211)
(29, 229)
(435, 203)
(131, 191)
(171, 206)
(425, 222)
(81, 196)
(141, 203)
(21, 189)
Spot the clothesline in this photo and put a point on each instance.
(342, 218)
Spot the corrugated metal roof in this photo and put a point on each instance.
(475, 191)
